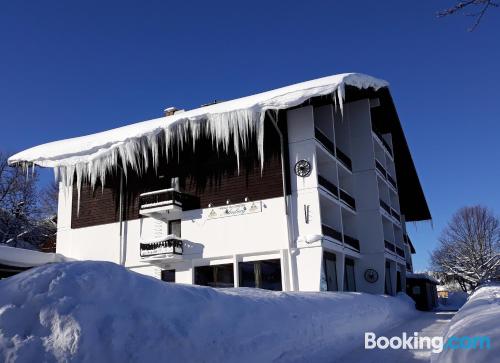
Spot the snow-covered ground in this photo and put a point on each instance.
(455, 300)
(426, 324)
(101, 312)
(480, 316)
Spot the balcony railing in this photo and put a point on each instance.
(332, 188)
(400, 252)
(395, 214)
(380, 168)
(351, 242)
(168, 246)
(331, 232)
(347, 199)
(344, 159)
(391, 181)
(384, 142)
(389, 246)
(385, 207)
(167, 198)
(324, 140)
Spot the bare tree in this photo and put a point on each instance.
(469, 247)
(478, 8)
(48, 200)
(23, 223)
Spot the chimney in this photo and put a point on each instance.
(169, 111)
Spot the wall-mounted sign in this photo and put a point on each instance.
(371, 275)
(235, 210)
(303, 168)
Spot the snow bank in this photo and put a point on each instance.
(20, 257)
(455, 300)
(101, 312)
(480, 316)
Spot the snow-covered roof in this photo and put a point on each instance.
(422, 276)
(224, 118)
(20, 257)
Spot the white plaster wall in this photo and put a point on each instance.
(309, 262)
(205, 238)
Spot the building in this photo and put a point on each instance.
(303, 188)
(423, 289)
(16, 260)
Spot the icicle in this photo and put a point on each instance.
(226, 130)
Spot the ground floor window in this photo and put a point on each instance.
(174, 227)
(214, 276)
(329, 264)
(388, 281)
(398, 282)
(265, 274)
(168, 275)
(349, 276)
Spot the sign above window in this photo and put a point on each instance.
(235, 210)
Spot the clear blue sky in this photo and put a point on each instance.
(72, 68)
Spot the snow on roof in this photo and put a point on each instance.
(422, 276)
(20, 257)
(230, 123)
(87, 148)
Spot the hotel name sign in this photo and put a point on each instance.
(233, 210)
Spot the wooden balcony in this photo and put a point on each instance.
(169, 247)
(166, 203)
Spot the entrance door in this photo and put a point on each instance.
(168, 275)
(330, 271)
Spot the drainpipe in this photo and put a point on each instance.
(293, 269)
(120, 216)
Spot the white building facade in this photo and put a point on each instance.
(326, 212)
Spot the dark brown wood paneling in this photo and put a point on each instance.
(211, 176)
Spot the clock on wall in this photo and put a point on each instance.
(371, 275)
(303, 168)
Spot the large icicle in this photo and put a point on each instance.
(228, 124)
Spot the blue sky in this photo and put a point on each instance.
(73, 68)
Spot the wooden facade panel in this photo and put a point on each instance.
(212, 177)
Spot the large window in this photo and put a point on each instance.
(349, 276)
(388, 281)
(168, 275)
(398, 282)
(174, 227)
(265, 274)
(329, 264)
(214, 276)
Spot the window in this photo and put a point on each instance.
(214, 276)
(168, 275)
(264, 274)
(349, 278)
(388, 281)
(398, 282)
(174, 227)
(329, 264)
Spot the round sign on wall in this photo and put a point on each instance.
(371, 275)
(303, 168)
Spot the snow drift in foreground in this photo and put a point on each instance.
(480, 316)
(101, 312)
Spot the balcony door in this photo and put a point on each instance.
(329, 261)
